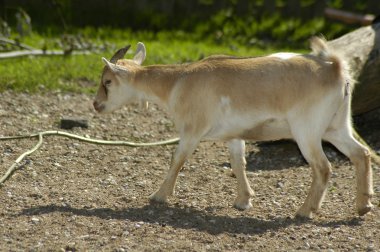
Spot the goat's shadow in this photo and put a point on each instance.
(276, 155)
(187, 218)
(283, 154)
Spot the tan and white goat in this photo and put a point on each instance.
(281, 96)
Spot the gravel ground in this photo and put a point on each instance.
(74, 196)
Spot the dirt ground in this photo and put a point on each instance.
(75, 196)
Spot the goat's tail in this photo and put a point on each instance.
(320, 49)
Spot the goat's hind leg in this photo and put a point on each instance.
(238, 162)
(359, 155)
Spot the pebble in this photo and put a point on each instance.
(280, 184)
(34, 174)
(307, 245)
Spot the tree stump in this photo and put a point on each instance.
(361, 50)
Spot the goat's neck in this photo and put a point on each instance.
(157, 82)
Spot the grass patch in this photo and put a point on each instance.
(49, 73)
(81, 73)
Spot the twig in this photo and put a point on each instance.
(40, 136)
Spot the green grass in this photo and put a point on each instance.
(81, 73)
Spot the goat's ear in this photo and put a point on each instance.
(140, 54)
(119, 54)
(113, 67)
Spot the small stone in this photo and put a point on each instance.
(307, 245)
(34, 174)
(69, 123)
(35, 220)
(371, 247)
(280, 184)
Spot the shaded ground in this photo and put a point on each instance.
(71, 195)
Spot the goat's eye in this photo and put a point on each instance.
(107, 83)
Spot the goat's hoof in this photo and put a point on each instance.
(363, 210)
(157, 198)
(304, 215)
(242, 204)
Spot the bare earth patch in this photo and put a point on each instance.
(75, 196)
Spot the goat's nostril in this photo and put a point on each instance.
(98, 106)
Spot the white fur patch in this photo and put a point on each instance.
(284, 55)
(225, 103)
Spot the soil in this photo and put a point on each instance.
(75, 196)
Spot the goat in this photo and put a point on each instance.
(305, 97)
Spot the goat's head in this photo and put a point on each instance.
(115, 89)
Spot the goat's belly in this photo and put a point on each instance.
(266, 130)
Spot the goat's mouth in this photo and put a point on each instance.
(99, 107)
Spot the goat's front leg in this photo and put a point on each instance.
(314, 155)
(184, 149)
(237, 158)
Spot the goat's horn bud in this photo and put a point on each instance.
(119, 54)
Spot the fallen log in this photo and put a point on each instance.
(361, 49)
